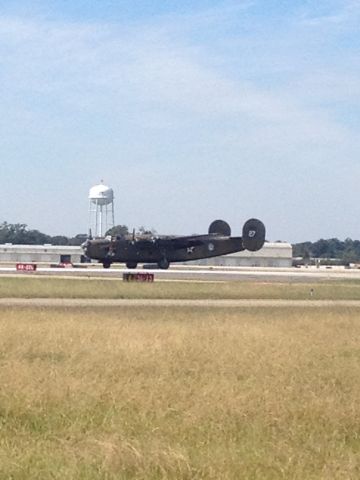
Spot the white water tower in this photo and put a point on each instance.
(101, 209)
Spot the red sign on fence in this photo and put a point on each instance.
(26, 267)
(138, 277)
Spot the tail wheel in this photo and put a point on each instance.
(164, 264)
(106, 264)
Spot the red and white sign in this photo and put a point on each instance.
(26, 267)
(138, 277)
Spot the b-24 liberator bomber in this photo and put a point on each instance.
(162, 250)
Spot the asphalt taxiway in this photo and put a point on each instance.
(213, 274)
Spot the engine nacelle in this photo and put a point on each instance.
(220, 227)
(253, 235)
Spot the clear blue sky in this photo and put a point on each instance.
(190, 111)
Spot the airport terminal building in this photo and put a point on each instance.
(276, 254)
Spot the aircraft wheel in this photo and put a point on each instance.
(131, 264)
(164, 264)
(106, 264)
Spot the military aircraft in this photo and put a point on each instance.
(162, 250)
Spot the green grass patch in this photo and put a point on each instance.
(94, 288)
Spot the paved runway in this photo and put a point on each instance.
(203, 274)
(77, 302)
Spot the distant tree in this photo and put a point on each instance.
(59, 240)
(306, 256)
(4, 232)
(34, 237)
(118, 230)
(78, 240)
(335, 248)
(12, 233)
(346, 252)
(320, 249)
(146, 231)
(19, 234)
(299, 249)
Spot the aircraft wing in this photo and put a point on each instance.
(182, 242)
(171, 242)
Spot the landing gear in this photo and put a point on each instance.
(164, 264)
(106, 264)
(131, 264)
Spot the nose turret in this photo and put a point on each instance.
(97, 248)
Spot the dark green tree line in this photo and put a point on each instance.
(348, 251)
(19, 234)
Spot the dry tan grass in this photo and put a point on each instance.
(179, 394)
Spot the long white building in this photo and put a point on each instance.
(10, 253)
(271, 255)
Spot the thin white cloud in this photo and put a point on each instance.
(339, 14)
(87, 66)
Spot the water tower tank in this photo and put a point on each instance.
(101, 210)
(101, 194)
